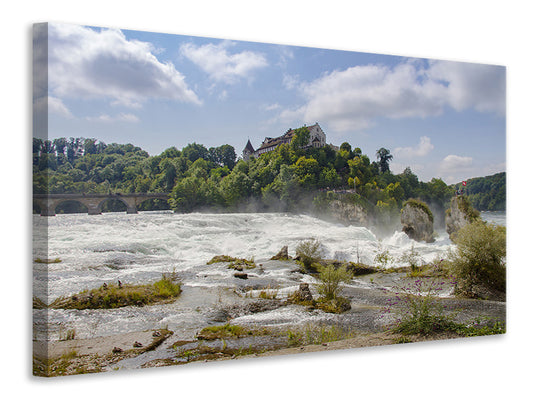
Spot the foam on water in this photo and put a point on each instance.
(139, 248)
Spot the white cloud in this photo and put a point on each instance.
(455, 168)
(91, 63)
(353, 98)
(290, 81)
(285, 54)
(220, 65)
(477, 86)
(122, 117)
(52, 105)
(423, 149)
(453, 162)
(223, 95)
(272, 107)
(56, 106)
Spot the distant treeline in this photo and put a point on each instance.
(487, 193)
(291, 178)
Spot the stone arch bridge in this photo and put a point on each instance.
(94, 201)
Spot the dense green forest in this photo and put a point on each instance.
(487, 193)
(291, 178)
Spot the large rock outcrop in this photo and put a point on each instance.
(460, 214)
(417, 221)
(347, 212)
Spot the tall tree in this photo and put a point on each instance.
(384, 156)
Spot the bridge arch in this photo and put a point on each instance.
(153, 204)
(113, 202)
(70, 207)
(93, 202)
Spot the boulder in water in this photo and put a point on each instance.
(417, 221)
(460, 214)
(283, 254)
(241, 275)
(304, 292)
(302, 295)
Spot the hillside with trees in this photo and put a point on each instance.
(289, 179)
(487, 193)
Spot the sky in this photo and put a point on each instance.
(441, 118)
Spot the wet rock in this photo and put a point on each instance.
(347, 212)
(304, 293)
(241, 275)
(283, 254)
(460, 214)
(417, 221)
(238, 310)
(218, 315)
(117, 350)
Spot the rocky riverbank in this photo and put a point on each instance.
(271, 326)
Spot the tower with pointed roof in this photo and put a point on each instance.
(248, 151)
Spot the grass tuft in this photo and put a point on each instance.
(115, 296)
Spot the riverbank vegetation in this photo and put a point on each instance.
(121, 295)
(487, 193)
(479, 261)
(413, 309)
(233, 262)
(199, 178)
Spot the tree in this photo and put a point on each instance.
(187, 194)
(347, 147)
(384, 156)
(171, 152)
(235, 187)
(223, 155)
(168, 173)
(194, 151)
(300, 138)
(60, 145)
(89, 146)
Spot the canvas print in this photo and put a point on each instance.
(199, 199)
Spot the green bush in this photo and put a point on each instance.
(309, 252)
(337, 305)
(330, 280)
(418, 309)
(383, 258)
(479, 260)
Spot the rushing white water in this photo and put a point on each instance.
(139, 248)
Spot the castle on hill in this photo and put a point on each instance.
(317, 138)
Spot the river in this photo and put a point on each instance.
(138, 248)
